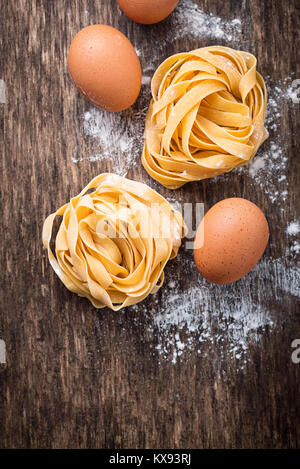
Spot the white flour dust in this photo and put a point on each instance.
(293, 228)
(293, 91)
(189, 20)
(119, 137)
(268, 169)
(293, 231)
(295, 248)
(226, 318)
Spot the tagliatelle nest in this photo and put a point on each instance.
(206, 116)
(114, 242)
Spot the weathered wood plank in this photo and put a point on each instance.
(77, 377)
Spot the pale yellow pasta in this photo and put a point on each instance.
(206, 116)
(114, 241)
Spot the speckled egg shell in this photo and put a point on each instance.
(105, 67)
(147, 11)
(230, 240)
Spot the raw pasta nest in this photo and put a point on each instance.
(206, 116)
(114, 241)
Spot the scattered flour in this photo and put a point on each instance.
(295, 248)
(293, 91)
(257, 165)
(293, 228)
(146, 80)
(189, 19)
(117, 136)
(226, 318)
(268, 169)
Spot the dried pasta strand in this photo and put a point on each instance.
(206, 115)
(114, 242)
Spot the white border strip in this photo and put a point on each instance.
(2, 92)
(2, 352)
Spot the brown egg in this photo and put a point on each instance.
(105, 67)
(147, 11)
(230, 240)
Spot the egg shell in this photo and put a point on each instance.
(230, 240)
(147, 11)
(105, 67)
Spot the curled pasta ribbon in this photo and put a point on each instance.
(206, 116)
(114, 241)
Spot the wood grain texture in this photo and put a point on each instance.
(80, 378)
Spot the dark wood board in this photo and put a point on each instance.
(76, 377)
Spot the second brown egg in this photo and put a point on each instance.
(147, 11)
(230, 240)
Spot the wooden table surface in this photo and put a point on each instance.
(80, 377)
